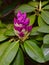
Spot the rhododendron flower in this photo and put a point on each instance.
(21, 24)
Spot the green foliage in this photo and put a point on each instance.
(34, 51)
(36, 46)
(9, 54)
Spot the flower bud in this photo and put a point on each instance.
(21, 25)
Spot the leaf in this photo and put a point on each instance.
(10, 30)
(39, 38)
(19, 59)
(3, 47)
(44, 16)
(46, 52)
(32, 19)
(25, 8)
(2, 36)
(33, 4)
(34, 51)
(46, 39)
(9, 54)
(43, 29)
(44, 3)
(41, 22)
(46, 7)
(34, 31)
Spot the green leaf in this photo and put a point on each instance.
(46, 52)
(3, 47)
(2, 36)
(41, 22)
(32, 19)
(33, 4)
(46, 39)
(34, 51)
(43, 29)
(45, 16)
(34, 31)
(19, 59)
(39, 38)
(46, 7)
(44, 3)
(10, 30)
(25, 8)
(9, 54)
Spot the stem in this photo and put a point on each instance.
(40, 6)
(11, 40)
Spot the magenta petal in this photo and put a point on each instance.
(29, 28)
(15, 20)
(27, 21)
(24, 15)
(20, 18)
(19, 14)
(18, 28)
(21, 34)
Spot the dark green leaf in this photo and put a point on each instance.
(9, 54)
(41, 22)
(46, 39)
(25, 8)
(46, 52)
(34, 51)
(46, 7)
(43, 29)
(19, 60)
(34, 31)
(45, 16)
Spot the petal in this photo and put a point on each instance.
(18, 28)
(19, 14)
(21, 34)
(24, 15)
(29, 28)
(20, 18)
(15, 20)
(27, 21)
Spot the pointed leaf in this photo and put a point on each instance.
(41, 22)
(43, 29)
(34, 31)
(45, 16)
(46, 39)
(2, 36)
(9, 54)
(46, 7)
(32, 19)
(19, 60)
(34, 51)
(46, 52)
(3, 47)
(25, 8)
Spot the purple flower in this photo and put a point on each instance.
(22, 23)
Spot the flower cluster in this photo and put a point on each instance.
(21, 24)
